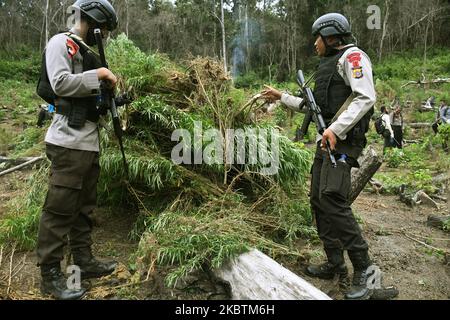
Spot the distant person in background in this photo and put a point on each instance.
(442, 117)
(430, 103)
(388, 133)
(396, 119)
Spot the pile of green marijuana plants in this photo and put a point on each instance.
(198, 214)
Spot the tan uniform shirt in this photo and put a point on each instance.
(355, 68)
(65, 72)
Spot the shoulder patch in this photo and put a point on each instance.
(354, 58)
(72, 48)
(357, 73)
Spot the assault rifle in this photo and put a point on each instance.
(314, 112)
(109, 99)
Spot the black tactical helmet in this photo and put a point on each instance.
(332, 24)
(101, 11)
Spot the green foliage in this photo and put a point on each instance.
(444, 134)
(395, 157)
(194, 215)
(250, 80)
(281, 117)
(5, 139)
(423, 117)
(20, 224)
(24, 69)
(29, 142)
(215, 232)
(18, 98)
(293, 214)
(191, 220)
(446, 226)
(142, 71)
(412, 157)
(414, 180)
(407, 67)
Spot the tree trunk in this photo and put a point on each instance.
(370, 163)
(128, 17)
(255, 276)
(224, 43)
(247, 40)
(385, 24)
(46, 21)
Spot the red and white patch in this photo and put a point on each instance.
(72, 48)
(355, 59)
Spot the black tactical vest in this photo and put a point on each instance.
(330, 93)
(78, 110)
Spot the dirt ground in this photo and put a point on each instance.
(400, 244)
(417, 271)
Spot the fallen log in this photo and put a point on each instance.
(419, 125)
(423, 82)
(21, 166)
(370, 162)
(255, 276)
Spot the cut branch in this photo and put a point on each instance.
(23, 165)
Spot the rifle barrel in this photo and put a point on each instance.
(101, 49)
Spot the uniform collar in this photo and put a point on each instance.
(77, 33)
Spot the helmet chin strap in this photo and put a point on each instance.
(90, 37)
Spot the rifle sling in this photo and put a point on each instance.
(344, 107)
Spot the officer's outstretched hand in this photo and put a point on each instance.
(104, 74)
(331, 137)
(271, 94)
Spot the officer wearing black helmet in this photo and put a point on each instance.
(346, 95)
(70, 80)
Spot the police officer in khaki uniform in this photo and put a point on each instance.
(344, 70)
(71, 76)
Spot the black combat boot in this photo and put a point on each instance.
(334, 266)
(360, 286)
(54, 283)
(91, 267)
